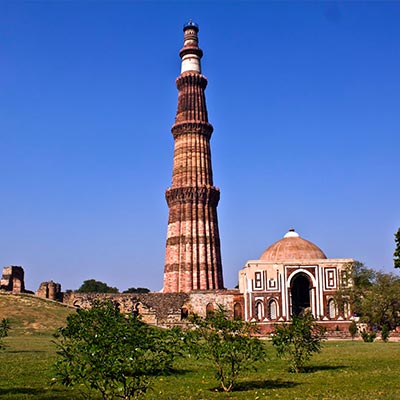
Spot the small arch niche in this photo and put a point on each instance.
(184, 313)
(209, 309)
(237, 311)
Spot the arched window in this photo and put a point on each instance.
(331, 308)
(259, 310)
(346, 309)
(273, 310)
(237, 311)
(209, 309)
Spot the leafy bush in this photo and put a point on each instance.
(353, 329)
(385, 333)
(4, 328)
(227, 343)
(368, 337)
(298, 340)
(117, 355)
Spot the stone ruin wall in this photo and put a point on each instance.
(50, 290)
(161, 309)
(13, 279)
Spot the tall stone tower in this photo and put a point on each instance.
(193, 255)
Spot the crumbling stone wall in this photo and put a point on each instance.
(161, 309)
(13, 279)
(50, 290)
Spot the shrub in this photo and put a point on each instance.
(353, 330)
(4, 328)
(368, 337)
(117, 355)
(227, 343)
(385, 333)
(298, 340)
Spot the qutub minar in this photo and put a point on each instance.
(290, 276)
(193, 254)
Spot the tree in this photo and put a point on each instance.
(136, 290)
(298, 340)
(227, 343)
(353, 329)
(4, 328)
(396, 254)
(373, 295)
(93, 286)
(380, 303)
(101, 349)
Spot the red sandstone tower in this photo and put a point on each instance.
(193, 255)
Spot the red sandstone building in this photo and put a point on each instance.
(193, 255)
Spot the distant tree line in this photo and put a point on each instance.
(94, 286)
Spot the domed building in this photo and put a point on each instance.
(291, 276)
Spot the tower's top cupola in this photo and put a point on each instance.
(191, 25)
(190, 52)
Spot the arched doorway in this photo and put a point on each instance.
(300, 293)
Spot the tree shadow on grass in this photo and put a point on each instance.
(40, 394)
(175, 371)
(21, 391)
(262, 384)
(24, 351)
(316, 368)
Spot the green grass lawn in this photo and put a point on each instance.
(344, 370)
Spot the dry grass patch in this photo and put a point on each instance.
(32, 315)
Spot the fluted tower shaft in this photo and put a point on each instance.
(193, 255)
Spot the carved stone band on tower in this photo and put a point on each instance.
(193, 254)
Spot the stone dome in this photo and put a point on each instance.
(292, 247)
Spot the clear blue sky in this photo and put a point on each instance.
(304, 98)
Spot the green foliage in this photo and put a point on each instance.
(374, 296)
(368, 337)
(136, 290)
(379, 304)
(4, 328)
(117, 355)
(227, 343)
(93, 286)
(298, 340)
(396, 254)
(385, 333)
(353, 329)
(373, 370)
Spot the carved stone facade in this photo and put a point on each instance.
(193, 255)
(291, 276)
(50, 290)
(13, 279)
